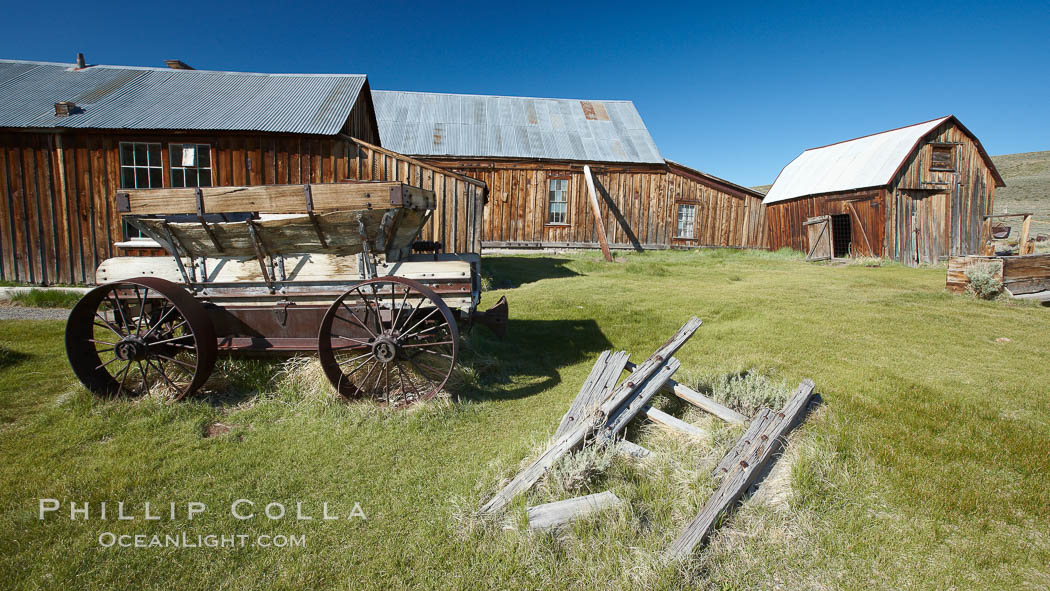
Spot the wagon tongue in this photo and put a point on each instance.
(495, 318)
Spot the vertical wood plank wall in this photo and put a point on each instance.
(921, 216)
(456, 222)
(638, 206)
(58, 220)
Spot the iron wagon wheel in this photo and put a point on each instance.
(140, 336)
(389, 339)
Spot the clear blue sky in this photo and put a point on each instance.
(734, 91)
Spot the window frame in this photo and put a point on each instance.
(172, 167)
(677, 220)
(934, 147)
(131, 233)
(565, 214)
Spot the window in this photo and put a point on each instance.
(686, 221)
(558, 203)
(942, 158)
(140, 168)
(190, 165)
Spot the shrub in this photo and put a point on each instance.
(983, 281)
(46, 298)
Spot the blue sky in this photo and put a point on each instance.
(734, 91)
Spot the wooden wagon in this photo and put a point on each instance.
(332, 268)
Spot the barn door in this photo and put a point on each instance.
(930, 225)
(818, 230)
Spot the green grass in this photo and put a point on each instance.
(46, 298)
(925, 467)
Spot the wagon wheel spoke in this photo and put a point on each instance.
(412, 346)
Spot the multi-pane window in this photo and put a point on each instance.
(686, 221)
(942, 158)
(558, 201)
(140, 168)
(190, 165)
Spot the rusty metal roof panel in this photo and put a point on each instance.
(120, 97)
(869, 161)
(514, 127)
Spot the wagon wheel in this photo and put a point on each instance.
(140, 336)
(389, 339)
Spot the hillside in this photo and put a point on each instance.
(1027, 189)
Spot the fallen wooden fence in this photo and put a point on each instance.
(601, 410)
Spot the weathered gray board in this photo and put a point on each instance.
(700, 401)
(559, 513)
(595, 389)
(742, 474)
(675, 424)
(623, 404)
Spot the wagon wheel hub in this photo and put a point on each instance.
(131, 349)
(385, 349)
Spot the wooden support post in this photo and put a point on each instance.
(597, 213)
(653, 372)
(551, 515)
(1024, 244)
(595, 389)
(675, 424)
(700, 401)
(737, 483)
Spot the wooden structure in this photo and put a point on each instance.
(1023, 276)
(279, 268)
(531, 152)
(915, 194)
(71, 138)
(602, 409)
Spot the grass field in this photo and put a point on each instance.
(1027, 189)
(925, 467)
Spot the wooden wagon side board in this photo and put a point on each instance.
(1021, 275)
(275, 198)
(289, 234)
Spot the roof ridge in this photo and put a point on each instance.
(540, 98)
(167, 69)
(946, 117)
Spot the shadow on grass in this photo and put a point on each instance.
(10, 358)
(506, 272)
(529, 358)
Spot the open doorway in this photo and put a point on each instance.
(841, 235)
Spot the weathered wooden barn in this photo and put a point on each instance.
(71, 135)
(531, 153)
(914, 194)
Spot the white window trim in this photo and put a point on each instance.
(172, 167)
(677, 210)
(565, 201)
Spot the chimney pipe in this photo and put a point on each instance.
(80, 61)
(65, 109)
(177, 65)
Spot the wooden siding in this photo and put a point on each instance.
(456, 222)
(638, 206)
(865, 208)
(946, 207)
(56, 191)
(922, 216)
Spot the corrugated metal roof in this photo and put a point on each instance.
(462, 125)
(119, 97)
(869, 161)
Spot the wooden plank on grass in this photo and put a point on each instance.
(655, 364)
(700, 401)
(559, 513)
(675, 424)
(737, 482)
(595, 389)
(632, 449)
(739, 450)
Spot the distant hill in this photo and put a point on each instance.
(1027, 189)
